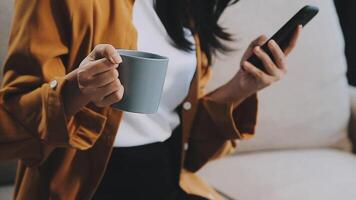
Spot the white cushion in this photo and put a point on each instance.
(310, 107)
(6, 192)
(290, 174)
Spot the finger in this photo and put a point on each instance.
(257, 73)
(106, 51)
(268, 63)
(293, 41)
(109, 88)
(278, 55)
(105, 78)
(111, 98)
(100, 66)
(257, 42)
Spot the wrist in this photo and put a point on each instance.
(73, 98)
(231, 92)
(238, 93)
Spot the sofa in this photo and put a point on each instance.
(302, 147)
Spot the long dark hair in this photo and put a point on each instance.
(201, 16)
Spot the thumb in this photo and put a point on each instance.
(105, 51)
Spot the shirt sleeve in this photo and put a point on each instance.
(30, 97)
(217, 125)
(231, 123)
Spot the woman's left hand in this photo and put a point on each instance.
(250, 79)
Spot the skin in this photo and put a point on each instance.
(249, 79)
(97, 80)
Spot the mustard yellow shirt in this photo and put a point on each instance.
(64, 157)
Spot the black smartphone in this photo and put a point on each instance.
(285, 34)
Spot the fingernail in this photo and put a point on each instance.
(245, 66)
(116, 59)
(257, 49)
(273, 43)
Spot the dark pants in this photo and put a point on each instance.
(144, 172)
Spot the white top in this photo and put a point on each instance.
(139, 129)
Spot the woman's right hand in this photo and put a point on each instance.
(96, 80)
(98, 77)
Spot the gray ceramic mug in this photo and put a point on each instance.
(142, 74)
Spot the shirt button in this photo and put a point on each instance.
(187, 105)
(186, 146)
(53, 84)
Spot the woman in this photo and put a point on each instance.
(57, 92)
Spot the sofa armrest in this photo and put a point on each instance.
(352, 125)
